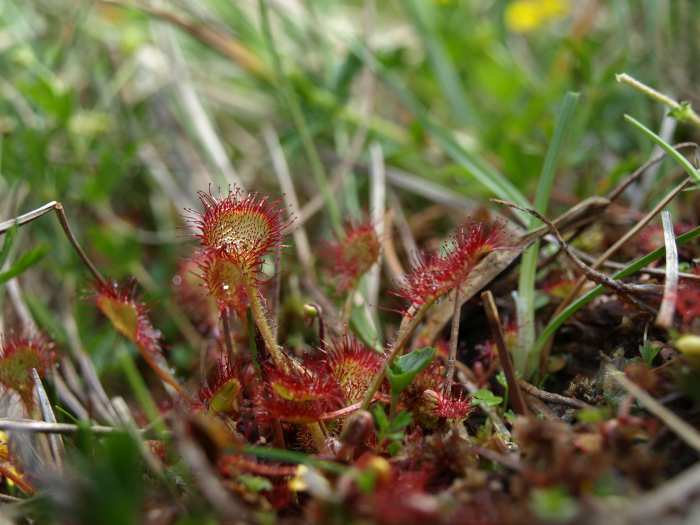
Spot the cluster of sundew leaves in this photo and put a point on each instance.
(236, 232)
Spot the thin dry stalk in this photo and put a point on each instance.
(284, 178)
(551, 397)
(454, 342)
(31, 425)
(685, 431)
(58, 449)
(609, 252)
(625, 290)
(515, 395)
(377, 212)
(668, 303)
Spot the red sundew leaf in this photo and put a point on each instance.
(190, 293)
(688, 300)
(439, 273)
(454, 408)
(18, 355)
(351, 256)
(353, 366)
(245, 224)
(224, 389)
(311, 383)
(227, 277)
(128, 316)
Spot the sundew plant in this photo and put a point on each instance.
(349, 262)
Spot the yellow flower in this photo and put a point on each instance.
(523, 16)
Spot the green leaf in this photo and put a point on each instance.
(22, 264)
(401, 421)
(380, 418)
(672, 152)
(553, 504)
(485, 397)
(7, 244)
(593, 414)
(524, 360)
(363, 327)
(445, 72)
(648, 352)
(293, 456)
(404, 369)
(254, 483)
(471, 162)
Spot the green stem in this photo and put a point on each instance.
(261, 321)
(407, 328)
(525, 305)
(317, 435)
(682, 112)
(143, 395)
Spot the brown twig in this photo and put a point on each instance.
(631, 178)
(516, 396)
(551, 397)
(592, 274)
(610, 251)
(76, 245)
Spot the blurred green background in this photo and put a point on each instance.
(123, 110)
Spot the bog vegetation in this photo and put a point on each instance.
(278, 262)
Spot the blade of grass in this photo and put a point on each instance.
(292, 456)
(524, 360)
(141, 391)
(628, 270)
(672, 152)
(488, 176)
(289, 97)
(440, 62)
(24, 263)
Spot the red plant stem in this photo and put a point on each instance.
(264, 469)
(405, 331)
(9, 473)
(258, 311)
(164, 375)
(454, 340)
(516, 396)
(341, 412)
(228, 334)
